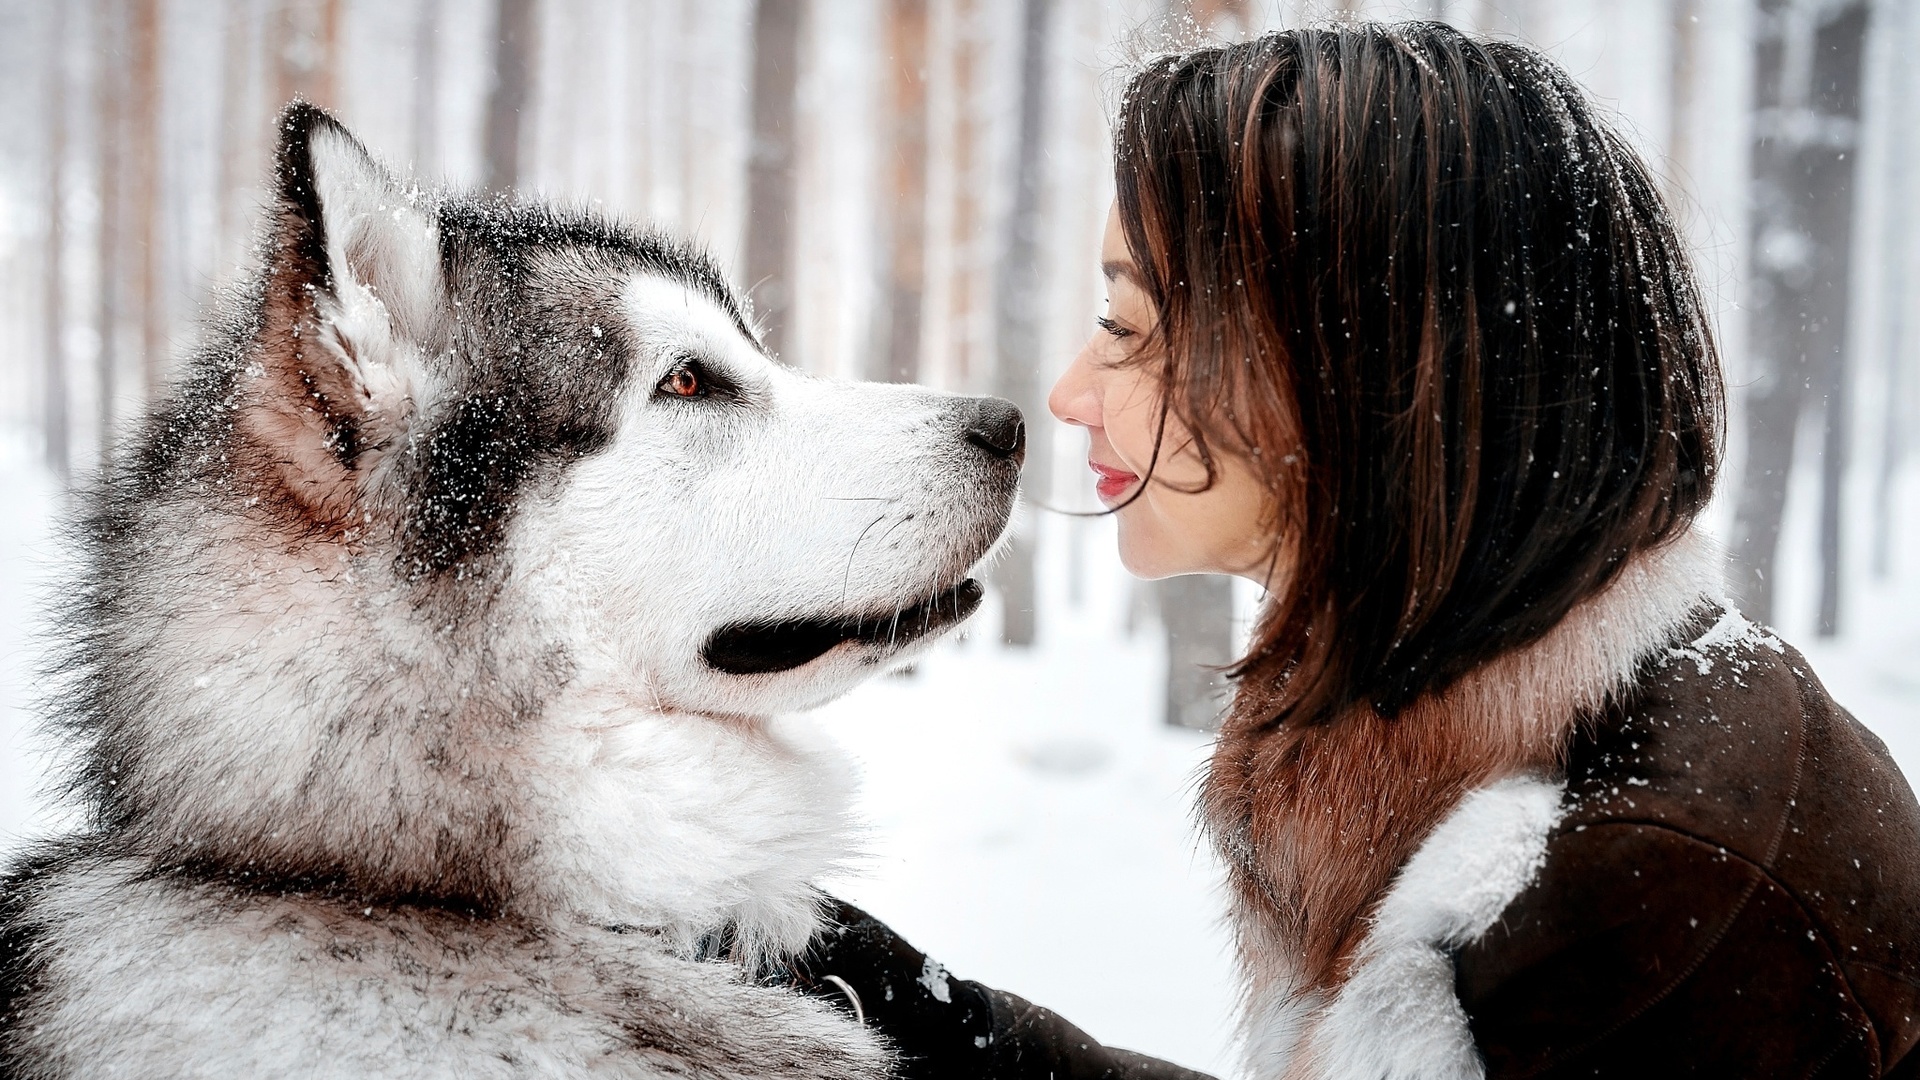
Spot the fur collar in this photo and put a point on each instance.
(1366, 850)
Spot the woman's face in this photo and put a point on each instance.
(1171, 528)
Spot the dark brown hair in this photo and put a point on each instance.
(1440, 306)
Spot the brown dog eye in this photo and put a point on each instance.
(684, 381)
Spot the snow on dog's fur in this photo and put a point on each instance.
(422, 683)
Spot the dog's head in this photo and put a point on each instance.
(524, 407)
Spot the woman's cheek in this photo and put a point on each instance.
(1132, 417)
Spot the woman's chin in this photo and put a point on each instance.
(1150, 561)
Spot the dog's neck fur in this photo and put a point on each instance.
(384, 751)
(1315, 823)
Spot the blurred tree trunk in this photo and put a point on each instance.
(967, 286)
(54, 424)
(1896, 404)
(1808, 60)
(306, 39)
(636, 64)
(902, 222)
(426, 89)
(1683, 71)
(771, 158)
(515, 50)
(143, 144)
(110, 94)
(239, 137)
(1196, 613)
(1017, 307)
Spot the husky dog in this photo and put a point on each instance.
(423, 679)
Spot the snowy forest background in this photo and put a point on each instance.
(914, 189)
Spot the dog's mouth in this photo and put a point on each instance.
(766, 648)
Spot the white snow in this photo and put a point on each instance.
(933, 976)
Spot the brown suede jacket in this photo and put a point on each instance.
(1733, 890)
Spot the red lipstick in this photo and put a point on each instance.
(1113, 482)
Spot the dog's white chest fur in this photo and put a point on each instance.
(162, 980)
(653, 832)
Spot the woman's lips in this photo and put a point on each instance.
(1113, 482)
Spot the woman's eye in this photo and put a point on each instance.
(1112, 327)
(685, 380)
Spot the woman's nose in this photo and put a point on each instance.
(1073, 399)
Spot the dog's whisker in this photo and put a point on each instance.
(894, 526)
(846, 578)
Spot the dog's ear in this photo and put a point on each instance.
(355, 302)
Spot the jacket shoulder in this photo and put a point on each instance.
(1640, 950)
(1733, 884)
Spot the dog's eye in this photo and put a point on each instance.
(685, 380)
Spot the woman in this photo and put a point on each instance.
(1401, 331)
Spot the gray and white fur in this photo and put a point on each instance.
(425, 675)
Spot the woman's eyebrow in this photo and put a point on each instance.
(1119, 269)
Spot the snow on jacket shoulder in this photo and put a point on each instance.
(1733, 888)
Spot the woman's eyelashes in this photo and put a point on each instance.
(1112, 327)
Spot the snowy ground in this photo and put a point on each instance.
(1029, 815)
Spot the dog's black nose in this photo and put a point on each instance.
(995, 426)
